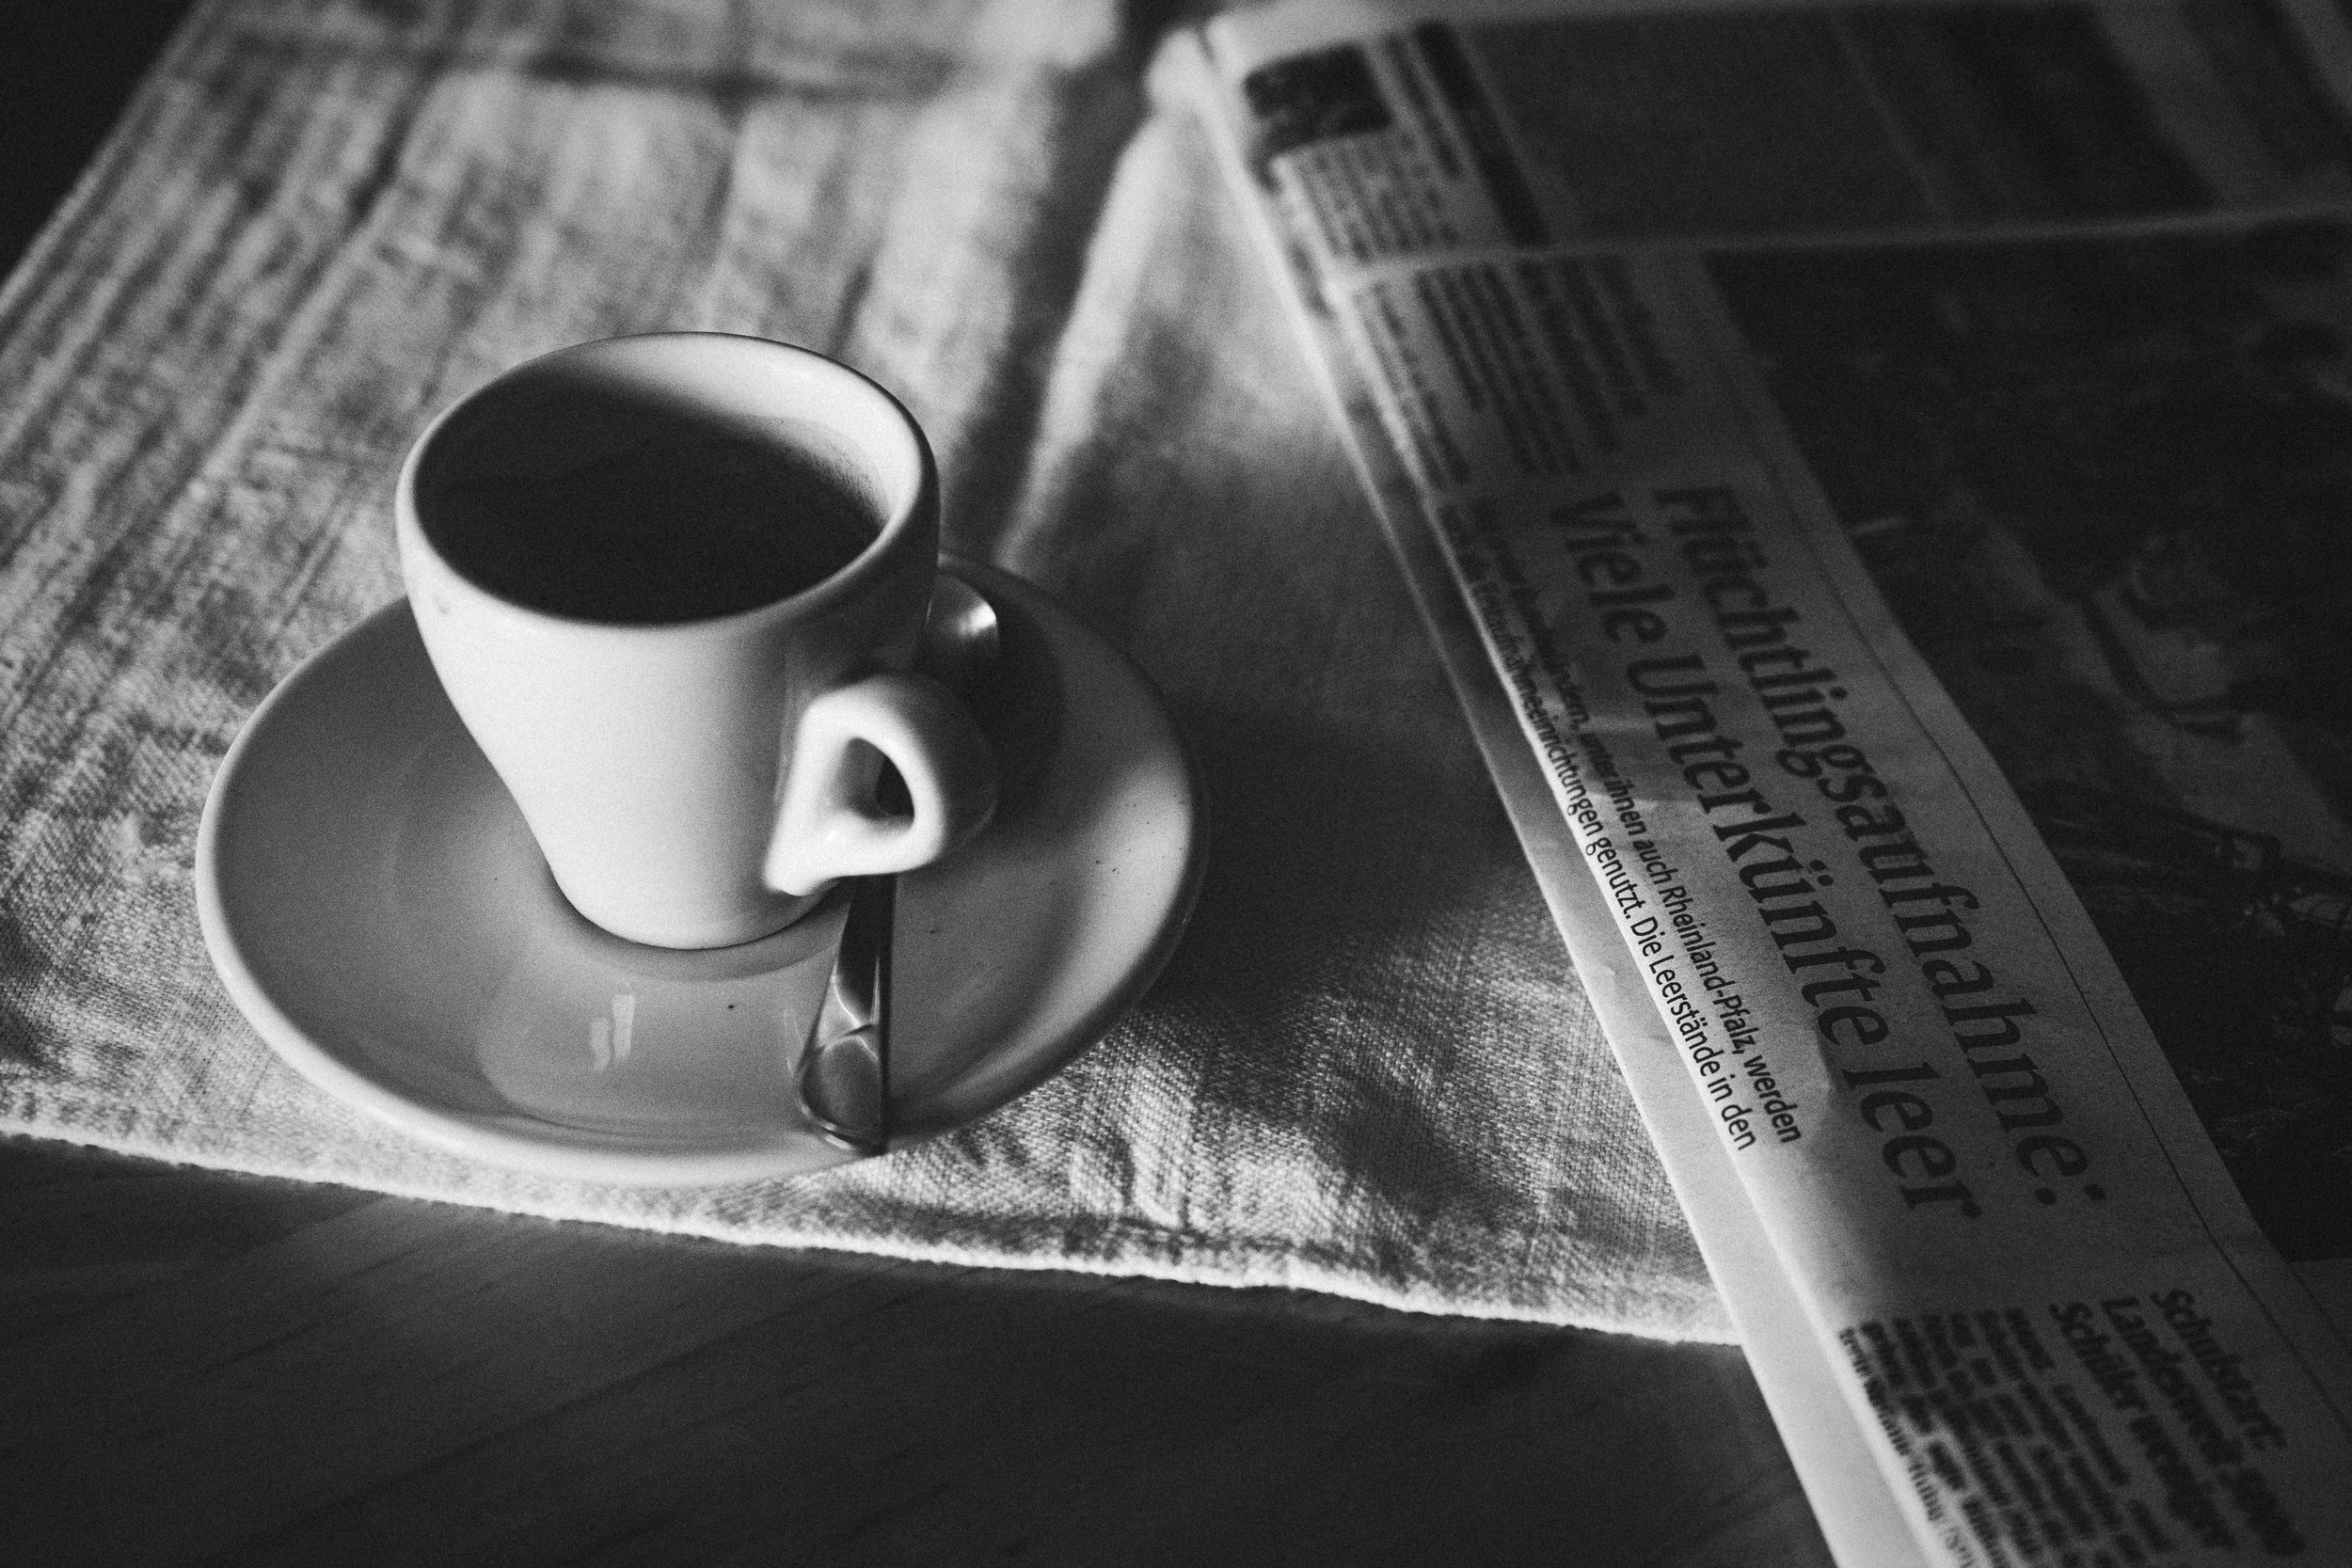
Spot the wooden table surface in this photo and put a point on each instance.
(207, 1367)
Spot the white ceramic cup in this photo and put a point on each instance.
(700, 782)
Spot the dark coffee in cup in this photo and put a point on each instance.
(606, 503)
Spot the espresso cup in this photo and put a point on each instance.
(673, 585)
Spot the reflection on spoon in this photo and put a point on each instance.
(845, 1068)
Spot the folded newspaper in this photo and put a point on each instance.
(1880, 478)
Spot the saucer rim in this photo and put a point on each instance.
(524, 1154)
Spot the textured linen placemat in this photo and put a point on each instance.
(1368, 1070)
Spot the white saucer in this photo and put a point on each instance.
(379, 912)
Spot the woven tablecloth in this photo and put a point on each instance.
(1369, 1068)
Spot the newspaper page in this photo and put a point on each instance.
(1879, 475)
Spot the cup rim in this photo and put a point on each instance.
(902, 516)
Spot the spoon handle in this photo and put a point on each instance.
(845, 1069)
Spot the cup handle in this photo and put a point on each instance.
(827, 824)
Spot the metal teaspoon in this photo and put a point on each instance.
(844, 1075)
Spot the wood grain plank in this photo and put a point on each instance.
(82, 1228)
(401, 1382)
